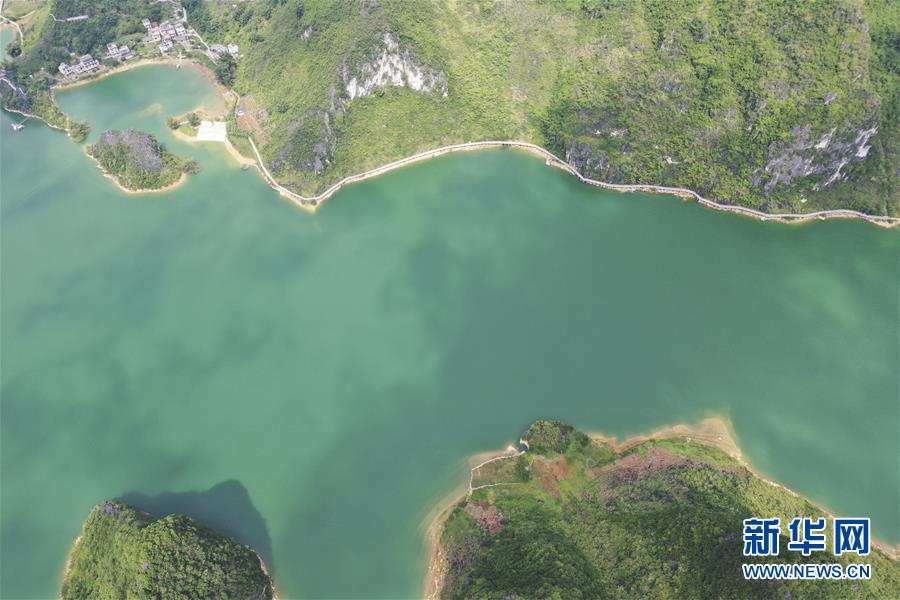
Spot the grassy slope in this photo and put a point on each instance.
(126, 553)
(661, 520)
(718, 87)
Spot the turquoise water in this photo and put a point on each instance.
(7, 34)
(313, 384)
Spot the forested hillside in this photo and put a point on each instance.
(785, 106)
(574, 518)
(778, 105)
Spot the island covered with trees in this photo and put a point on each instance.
(582, 517)
(124, 552)
(138, 162)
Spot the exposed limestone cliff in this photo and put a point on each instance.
(396, 67)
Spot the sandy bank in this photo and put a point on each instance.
(240, 158)
(433, 524)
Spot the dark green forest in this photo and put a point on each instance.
(126, 553)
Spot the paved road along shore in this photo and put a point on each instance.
(311, 202)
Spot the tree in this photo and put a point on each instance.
(172, 122)
(225, 70)
(194, 119)
(79, 131)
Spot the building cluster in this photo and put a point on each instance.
(166, 34)
(120, 53)
(219, 49)
(86, 64)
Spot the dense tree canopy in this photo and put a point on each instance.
(126, 553)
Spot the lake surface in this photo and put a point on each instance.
(313, 384)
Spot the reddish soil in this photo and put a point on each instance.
(487, 515)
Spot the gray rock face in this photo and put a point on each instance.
(392, 66)
(808, 155)
(312, 137)
(593, 163)
(142, 148)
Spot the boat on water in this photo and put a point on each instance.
(17, 126)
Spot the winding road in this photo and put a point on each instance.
(311, 202)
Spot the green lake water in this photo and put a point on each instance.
(7, 34)
(313, 384)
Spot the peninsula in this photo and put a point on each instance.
(125, 552)
(137, 162)
(571, 515)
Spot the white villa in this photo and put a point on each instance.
(86, 64)
(118, 52)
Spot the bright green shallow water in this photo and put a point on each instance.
(313, 384)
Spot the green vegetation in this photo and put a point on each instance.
(138, 161)
(573, 518)
(225, 69)
(781, 106)
(79, 131)
(126, 553)
(732, 99)
(49, 42)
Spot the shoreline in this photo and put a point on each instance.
(266, 571)
(715, 432)
(229, 147)
(224, 93)
(433, 523)
(311, 203)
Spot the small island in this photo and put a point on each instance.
(124, 552)
(570, 515)
(137, 162)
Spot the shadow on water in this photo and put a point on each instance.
(226, 507)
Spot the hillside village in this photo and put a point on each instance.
(166, 38)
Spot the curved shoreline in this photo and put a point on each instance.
(237, 156)
(227, 95)
(310, 203)
(715, 432)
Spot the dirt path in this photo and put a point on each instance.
(714, 432)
